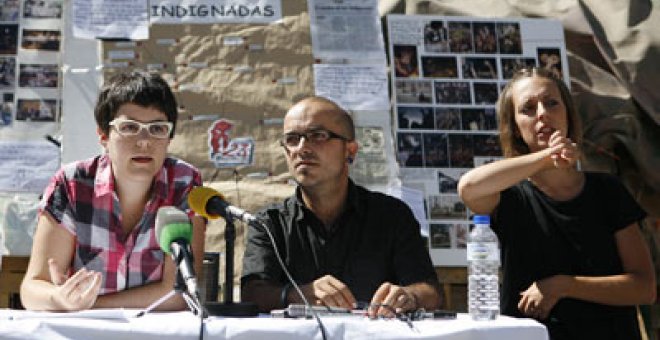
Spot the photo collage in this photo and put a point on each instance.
(30, 38)
(447, 74)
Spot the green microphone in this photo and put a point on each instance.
(173, 234)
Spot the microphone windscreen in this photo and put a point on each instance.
(172, 224)
(199, 197)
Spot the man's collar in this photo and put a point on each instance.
(352, 198)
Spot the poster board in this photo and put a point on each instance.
(233, 82)
(30, 91)
(447, 73)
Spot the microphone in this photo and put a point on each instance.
(173, 234)
(211, 204)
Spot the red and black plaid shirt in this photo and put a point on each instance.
(82, 198)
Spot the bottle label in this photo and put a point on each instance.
(488, 251)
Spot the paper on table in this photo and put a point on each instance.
(106, 314)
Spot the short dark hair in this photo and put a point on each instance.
(510, 140)
(136, 87)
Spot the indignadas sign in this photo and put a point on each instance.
(214, 11)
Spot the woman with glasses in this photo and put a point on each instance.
(95, 244)
(573, 256)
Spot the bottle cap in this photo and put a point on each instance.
(481, 219)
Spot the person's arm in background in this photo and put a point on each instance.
(404, 298)
(418, 285)
(480, 187)
(636, 285)
(261, 272)
(326, 291)
(260, 263)
(143, 296)
(46, 286)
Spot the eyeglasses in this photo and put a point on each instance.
(128, 128)
(316, 136)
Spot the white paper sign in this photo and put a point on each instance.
(27, 166)
(348, 29)
(214, 11)
(354, 87)
(110, 19)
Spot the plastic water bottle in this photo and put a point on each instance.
(483, 254)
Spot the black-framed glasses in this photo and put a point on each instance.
(129, 128)
(315, 136)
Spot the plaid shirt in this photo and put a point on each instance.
(81, 197)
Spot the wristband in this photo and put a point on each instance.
(285, 293)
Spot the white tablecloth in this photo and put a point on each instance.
(120, 324)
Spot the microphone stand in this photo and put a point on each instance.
(179, 287)
(228, 307)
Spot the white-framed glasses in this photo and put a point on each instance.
(129, 128)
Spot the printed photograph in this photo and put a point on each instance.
(440, 235)
(435, 150)
(43, 9)
(446, 207)
(550, 59)
(481, 160)
(485, 93)
(415, 117)
(452, 93)
(485, 40)
(414, 91)
(448, 180)
(435, 37)
(439, 67)
(371, 139)
(7, 72)
(462, 231)
(6, 109)
(511, 65)
(45, 40)
(9, 10)
(35, 75)
(487, 145)
(478, 119)
(447, 118)
(461, 151)
(479, 68)
(509, 39)
(405, 61)
(8, 38)
(460, 37)
(36, 110)
(370, 163)
(409, 149)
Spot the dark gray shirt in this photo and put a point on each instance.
(376, 239)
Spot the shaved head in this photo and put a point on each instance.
(327, 106)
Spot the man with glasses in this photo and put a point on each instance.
(343, 244)
(95, 243)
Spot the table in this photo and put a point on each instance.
(120, 324)
(12, 271)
